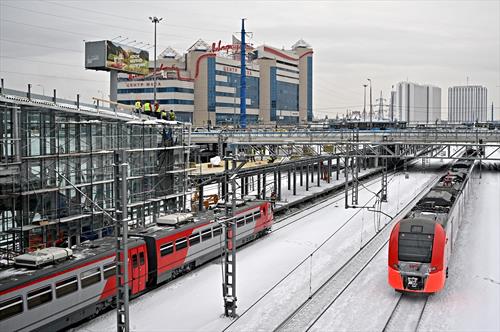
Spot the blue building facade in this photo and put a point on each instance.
(203, 86)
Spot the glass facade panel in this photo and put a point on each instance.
(287, 96)
(211, 84)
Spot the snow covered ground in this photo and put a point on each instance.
(470, 301)
(194, 302)
(471, 298)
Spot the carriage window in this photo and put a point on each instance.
(134, 261)
(141, 258)
(217, 230)
(249, 219)
(206, 235)
(240, 223)
(256, 215)
(90, 277)
(109, 270)
(194, 239)
(11, 307)
(39, 297)
(66, 287)
(166, 249)
(181, 244)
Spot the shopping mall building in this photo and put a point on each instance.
(203, 85)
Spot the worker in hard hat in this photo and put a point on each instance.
(171, 115)
(157, 110)
(138, 106)
(147, 108)
(164, 115)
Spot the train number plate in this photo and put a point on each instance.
(413, 282)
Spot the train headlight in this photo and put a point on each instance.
(396, 266)
(433, 268)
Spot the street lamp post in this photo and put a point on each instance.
(371, 105)
(364, 104)
(155, 20)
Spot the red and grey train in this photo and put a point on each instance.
(70, 285)
(421, 244)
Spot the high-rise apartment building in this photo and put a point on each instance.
(467, 103)
(415, 103)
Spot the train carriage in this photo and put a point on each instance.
(62, 293)
(421, 244)
(54, 288)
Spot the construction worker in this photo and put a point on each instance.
(138, 106)
(157, 111)
(171, 115)
(163, 114)
(147, 108)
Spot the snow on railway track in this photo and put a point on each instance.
(407, 313)
(311, 310)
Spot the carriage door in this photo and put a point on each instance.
(135, 271)
(143, 270)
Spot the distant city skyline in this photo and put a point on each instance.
(445, 43)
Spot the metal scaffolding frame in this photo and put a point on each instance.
(56, 165)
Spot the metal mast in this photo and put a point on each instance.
(371, 104)
(121, 234)
(154, 20)
(364, 104)
(243, 93)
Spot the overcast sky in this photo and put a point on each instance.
(436, 42)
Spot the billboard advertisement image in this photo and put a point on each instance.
(108, 55)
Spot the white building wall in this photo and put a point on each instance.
(416, 103)
(467, 104)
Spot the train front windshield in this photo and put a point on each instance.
(415, 247)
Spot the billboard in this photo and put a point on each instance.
(108, 55)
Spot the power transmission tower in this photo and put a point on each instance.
(381, 104)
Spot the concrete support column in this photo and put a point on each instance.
(312, 173)
(275, 182)
(264, 186)
(329, 170)
(338, 167)
(294, 181)
(319, 172)
(278, 196)
(258, 186)
(307, 177)
(300, 174)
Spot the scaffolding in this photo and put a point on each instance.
(56, 168)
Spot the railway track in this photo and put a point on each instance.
(310, 311)
(407, 313)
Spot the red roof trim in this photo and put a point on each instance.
(307, 53)
(278, 53)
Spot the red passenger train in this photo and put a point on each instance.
(54, 288)
(421, 244)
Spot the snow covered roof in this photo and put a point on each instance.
(200, 45)
(169, 52)
(301, 43)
